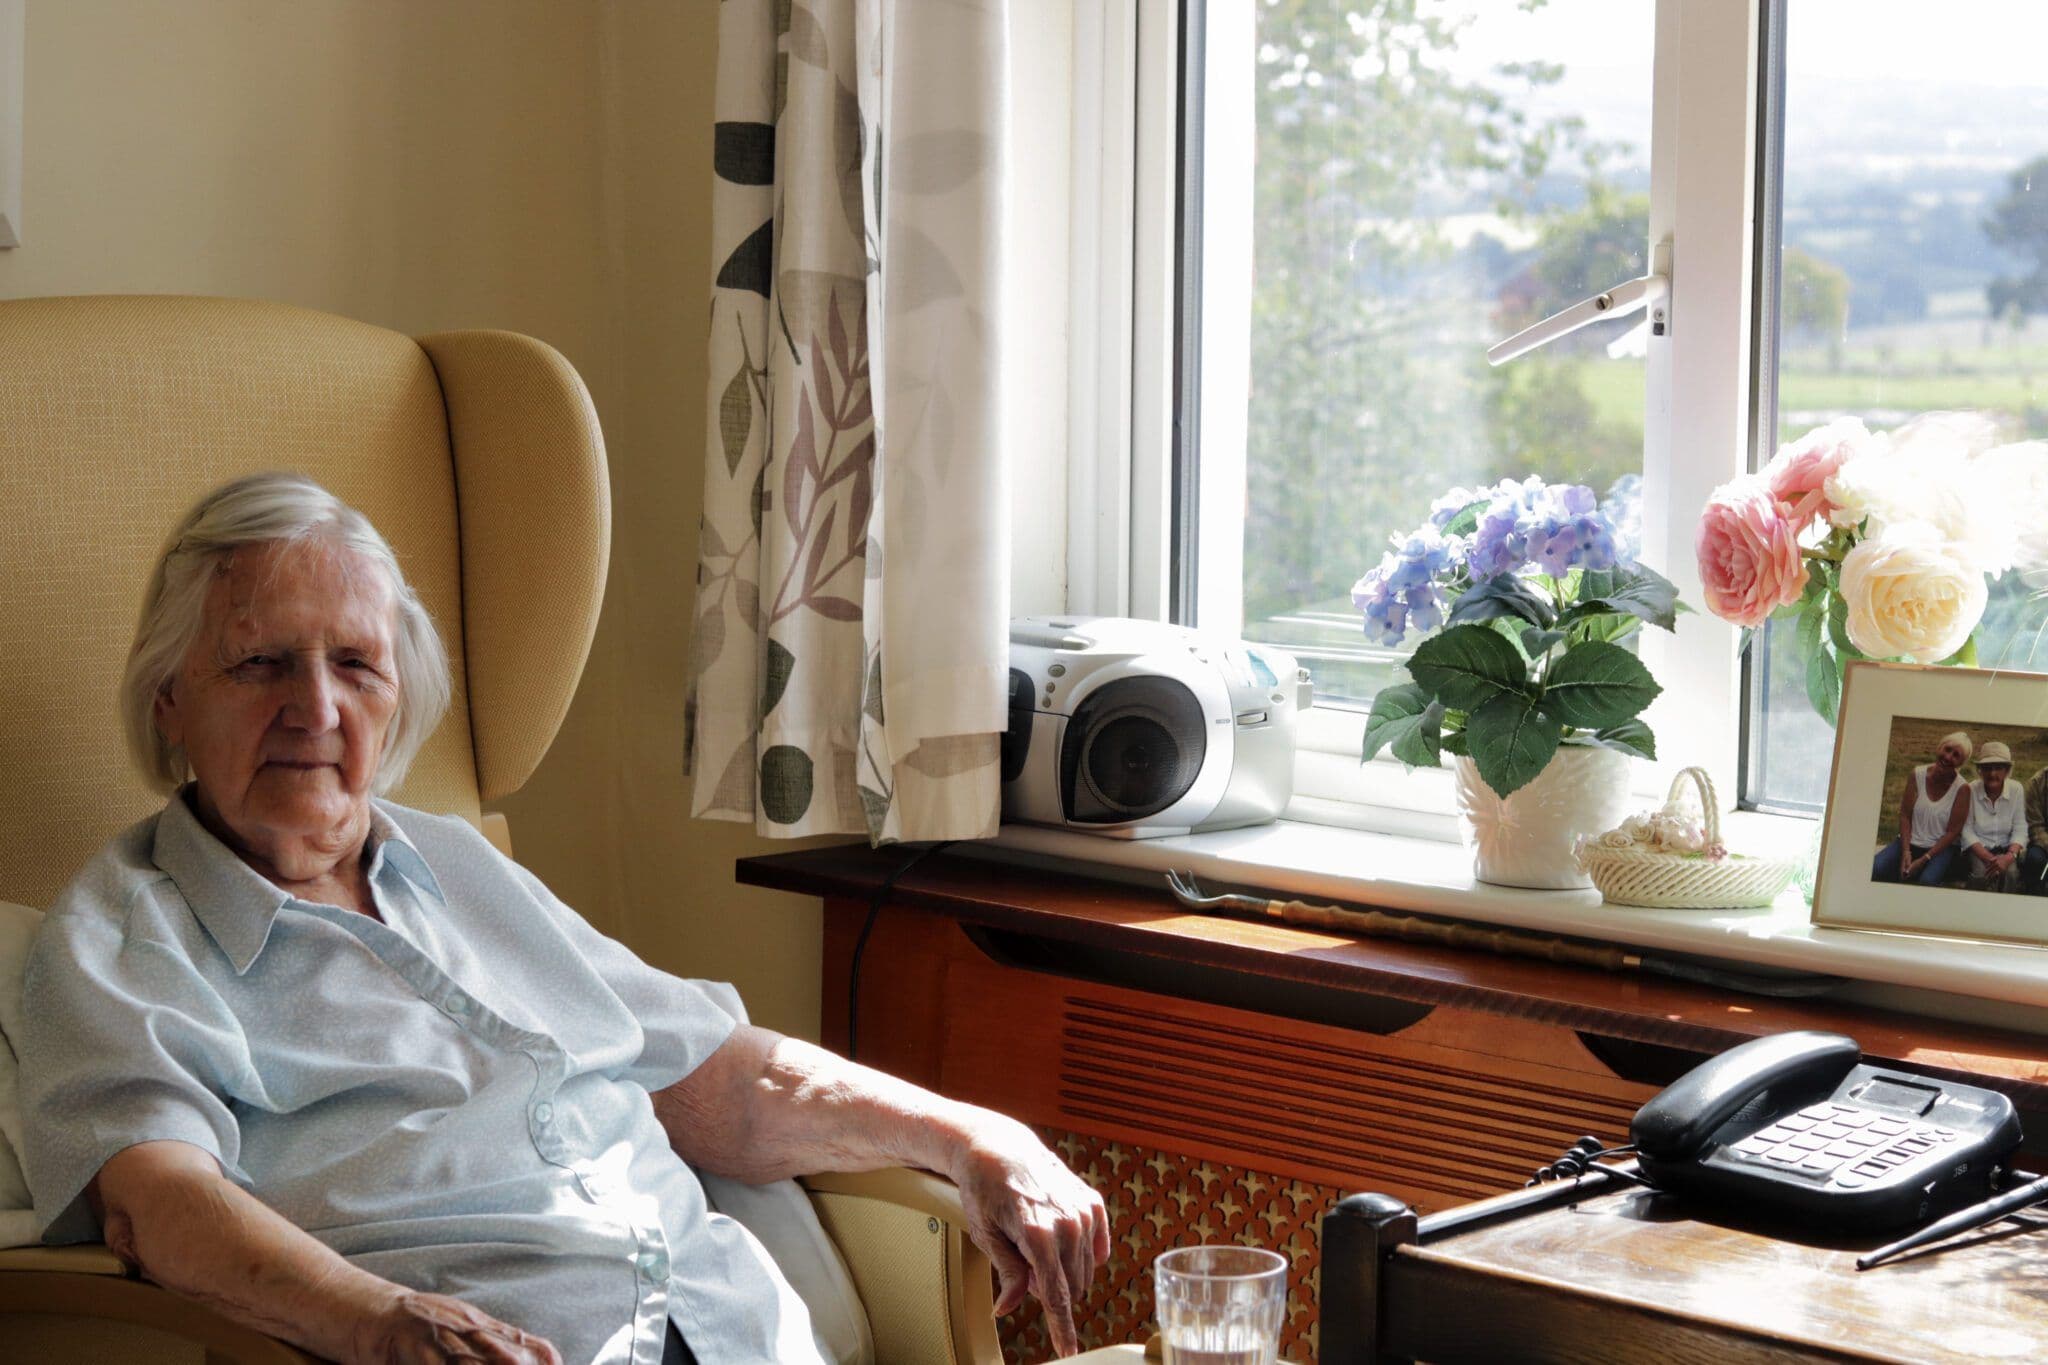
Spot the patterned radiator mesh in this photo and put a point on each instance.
(1219, 1130)
(1159, 1200)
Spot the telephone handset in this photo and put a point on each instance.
(1795, 1124)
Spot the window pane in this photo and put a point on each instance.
(1427, 178)
(1914, 273)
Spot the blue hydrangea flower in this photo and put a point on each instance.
(1623, 508)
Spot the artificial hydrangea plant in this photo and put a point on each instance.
(1536, 587)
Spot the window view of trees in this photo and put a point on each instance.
(1432, 175)
(1415, 202)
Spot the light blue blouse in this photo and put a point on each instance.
(455, 1099)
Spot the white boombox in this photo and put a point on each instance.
(1134, 728)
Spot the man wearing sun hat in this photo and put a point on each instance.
(1995, 834)
(2034, 862)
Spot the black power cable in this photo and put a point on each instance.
(860, 944)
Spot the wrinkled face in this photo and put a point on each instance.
(1994, 778)
(285, 698)
(1951, 755)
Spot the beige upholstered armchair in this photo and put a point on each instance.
(478, 455)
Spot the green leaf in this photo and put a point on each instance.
(1638, 592)
(1812, 620)
(1454, 742)
(1631, 737)
(1536, 642)
(1420, 746)
(1408, 719)
(1838, 629)
(1503, 595)
(1606, 626)
(1467, 665)
(1511, 741)
(1467, 520)
(1823, 680)
(1597, 686)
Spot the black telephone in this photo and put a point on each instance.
(1794, 1124)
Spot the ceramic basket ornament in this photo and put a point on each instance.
(1673, 859)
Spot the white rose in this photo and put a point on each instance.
(1910, 595)
(2015, 479)
(1876, 487)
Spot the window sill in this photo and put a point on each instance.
(1989, 984)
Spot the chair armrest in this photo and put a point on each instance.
(78, 1303)
(932, 1195)
(84, 1259)
(929, 1292)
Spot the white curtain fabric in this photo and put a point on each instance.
(851, 641)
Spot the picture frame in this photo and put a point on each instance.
(1893, 721)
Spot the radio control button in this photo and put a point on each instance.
(1865, 1139)
(1889, 1127)
(1786, 1155)
(1807, 1142)
(1800, 1121)
(1774, 1133)
(1848, 1180)
(1830, 1130)
(1843, 1149)
(1868, 1169)
(1855, 1118)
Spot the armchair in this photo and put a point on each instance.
(478, 455)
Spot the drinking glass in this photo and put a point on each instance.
(1220, 1305)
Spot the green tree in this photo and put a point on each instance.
(2019, 223)
(1368, 136)
(1813, 301)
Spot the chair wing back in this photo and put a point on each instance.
(477, 454)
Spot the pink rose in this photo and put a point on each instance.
(1749, 553)
(1797, 475)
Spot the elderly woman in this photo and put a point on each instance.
(1995, 834)
(345, 1073)
(1931, 816)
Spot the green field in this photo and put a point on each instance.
(2002, 380)
(1913, 743)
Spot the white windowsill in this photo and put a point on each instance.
(1988, 984)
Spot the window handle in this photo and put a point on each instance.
(1645, 291)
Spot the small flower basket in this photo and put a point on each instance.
(1671, 860)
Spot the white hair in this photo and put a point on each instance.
(262, 509)
(1959, 738)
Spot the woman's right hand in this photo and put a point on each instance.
(429, 1329)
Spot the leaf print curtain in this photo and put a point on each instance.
(851, 633)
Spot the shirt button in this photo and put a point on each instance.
(543, 1111)
(653, 1265)
(459, 1005)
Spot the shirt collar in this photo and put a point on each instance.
(234, 902)
(391, 848)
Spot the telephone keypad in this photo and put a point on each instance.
(1855, 1145)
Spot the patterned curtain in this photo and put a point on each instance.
(851, 633)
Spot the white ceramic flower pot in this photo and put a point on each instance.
(1527, 839)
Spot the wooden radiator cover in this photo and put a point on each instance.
(1201, 1122)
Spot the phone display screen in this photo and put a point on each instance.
(1889, 1092)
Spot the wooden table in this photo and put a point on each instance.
(1631, 1276)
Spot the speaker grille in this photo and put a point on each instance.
(1134, 748)
(1017, 738)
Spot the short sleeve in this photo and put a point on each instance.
(684, 1021)
(125, 1042)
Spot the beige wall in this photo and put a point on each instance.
(538, 165)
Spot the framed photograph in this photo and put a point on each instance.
(1926, 830)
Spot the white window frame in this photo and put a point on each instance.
(1697, 432)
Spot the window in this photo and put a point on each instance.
(1912, 267)
(1539, 153)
